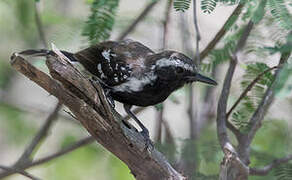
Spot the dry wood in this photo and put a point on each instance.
(88, 103)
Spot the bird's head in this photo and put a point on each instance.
(172, 66)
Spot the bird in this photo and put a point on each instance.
(133, 74)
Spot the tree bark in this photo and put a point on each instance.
(87, 102)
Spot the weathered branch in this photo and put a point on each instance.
(89, 105)
(266, 169)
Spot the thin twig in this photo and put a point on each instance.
(266, 169)
(164, 45)
(159, 120)
(222, 105)
(41, 134)
(230, 21)
(166, 24)
(66, 150)
(62, 152)
(15, 170)
(40, 25)
(198, 36)
(192, 111)
(248, 88)
(143, 14)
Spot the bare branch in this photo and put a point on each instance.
(64, 151)
(143, 14)
(15, 170)
(42, 133)
(91, 108)
(266, 169)
(198, 36)
(166, 24)
(40, 25)
(222, 105)
(159, 120)
(231, 20)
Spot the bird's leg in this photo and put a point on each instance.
(109, 98)
(144, 132)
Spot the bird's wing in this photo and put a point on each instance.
(113, 62)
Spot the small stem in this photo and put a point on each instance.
(15, 170)
(143, 14)
(198, 36)
(42, 133)
(248, 88)
(40, 25)
(230, 21)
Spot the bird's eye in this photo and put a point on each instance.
(179, 70)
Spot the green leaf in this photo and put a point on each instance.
(100, 23)
(259, 12)
(284, 85)
(281, 14)
(181, 5)
(208, 6)
(243, 112)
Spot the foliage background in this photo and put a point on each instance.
(24, 106)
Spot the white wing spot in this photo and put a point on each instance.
(106, 54)
(99, 68)
(100, 71)
(116, 79)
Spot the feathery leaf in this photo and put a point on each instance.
(100, 23)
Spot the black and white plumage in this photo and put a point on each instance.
(133, 74)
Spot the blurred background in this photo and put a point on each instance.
(24, 107)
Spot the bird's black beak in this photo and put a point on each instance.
(201, 78)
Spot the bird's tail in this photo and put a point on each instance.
(45, 52)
